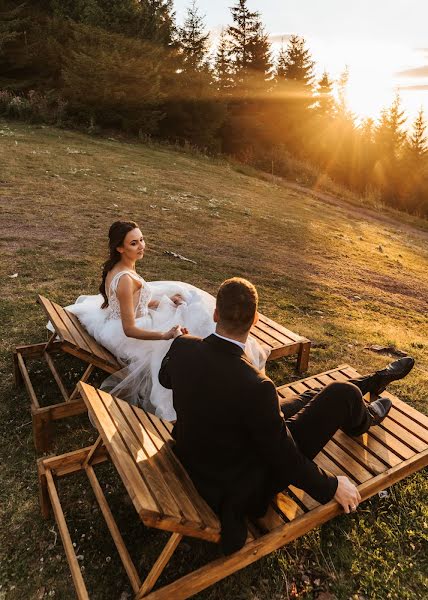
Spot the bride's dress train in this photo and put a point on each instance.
(138, 381)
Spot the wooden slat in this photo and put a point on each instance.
(125, 557)
(308, 502)
(347, 462)
(74, 334)
(288, 507)
(135, 485)
(408, 410)
(325, 462)
(79, 584)
(274, 333)
(379, 449)
(281, 328)
(160, 564)
(159, 461)
(95, 347)
(206, 514)
(262, 337)
(402, 434)
(53, 317)
(362, 455)
(149, 471)
(56, 376)
(408, 423)
(27, 381)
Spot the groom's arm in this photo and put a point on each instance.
(165, 371)
(275, 444)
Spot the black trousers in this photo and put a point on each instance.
(314, 416)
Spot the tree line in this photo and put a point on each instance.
(128, 65)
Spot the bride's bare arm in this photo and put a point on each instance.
(125, 291)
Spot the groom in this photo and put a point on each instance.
(238, 445)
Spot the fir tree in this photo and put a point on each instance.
(11, 21)
(223, 68)
(194, 39)
(417, 141)
(389, 135)
(281, 63)
(324, 96)
(298, 64)
(157, 21)
(249, 44)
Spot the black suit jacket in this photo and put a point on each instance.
(230, 434)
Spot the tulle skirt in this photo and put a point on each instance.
(137, 382)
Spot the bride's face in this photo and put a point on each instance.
(133, 245)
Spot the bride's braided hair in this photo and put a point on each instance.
(116, 235)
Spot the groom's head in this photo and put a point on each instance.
(236, 306)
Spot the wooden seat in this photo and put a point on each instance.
(71, 337)
(140, 447)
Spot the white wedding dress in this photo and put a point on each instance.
(138, 382)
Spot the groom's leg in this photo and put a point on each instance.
(291, 406)
(339, 405)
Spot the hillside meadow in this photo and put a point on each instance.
(345, 277)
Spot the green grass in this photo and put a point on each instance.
(345, 281)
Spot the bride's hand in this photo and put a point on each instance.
(173, 333)
(177, 299)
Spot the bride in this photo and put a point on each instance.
(137, 321)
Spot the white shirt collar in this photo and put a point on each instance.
(240, 344)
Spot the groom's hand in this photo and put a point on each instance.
(347, 494)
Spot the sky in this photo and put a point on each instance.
(384, 43)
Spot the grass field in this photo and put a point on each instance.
(345, 278)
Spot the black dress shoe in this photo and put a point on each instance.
(378, 410)
(396, 370)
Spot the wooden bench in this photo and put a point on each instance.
(139, 446)
(71, 337)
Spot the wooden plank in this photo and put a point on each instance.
(413, 442)
(308, 502)
(206, 515)
(293, 336)
(79, 584)
(95, 347)
(303, 357)
(74, 334)
(125, 557)
(271, 520)
(361, 454)
(44, 501)
(153, 445)
(408, 423)
(408, 410)
(347, 462)
(36, 350)
(298, 387)
(377, 448)
(324, 461)
(91, 454)
(134, 483)
(27, 381)
(284, 351)
(274, 333)
(144, 460)
(160, 565)
(288, 507)
(62, 410)
(70, 462)
(56, 322)
(224, 566)
(88, 372)
(56, 376)
(89, 358)
(264, 338)
(391, 442)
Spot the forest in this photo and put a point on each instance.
(129, 66)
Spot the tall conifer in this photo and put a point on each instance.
(194, 39)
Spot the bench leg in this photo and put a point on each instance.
(42, 430)
(17, 375)
(303, 357)
(45, 505)
(159, 565)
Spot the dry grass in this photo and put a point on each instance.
(343, 282)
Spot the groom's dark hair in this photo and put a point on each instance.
(237, 301)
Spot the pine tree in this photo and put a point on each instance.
(417, 141)
(325, 101)
(249, 45)
(298, 64)
(194, 39)
(281, 63)
(11, 21)
(157, 21)
(389, 135)
(223, 67)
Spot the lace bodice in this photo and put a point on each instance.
(142, 308)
